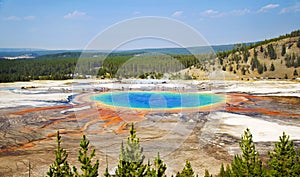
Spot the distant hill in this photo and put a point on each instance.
(189, 50)
(276, 58)
(16, 52)
(19, 52)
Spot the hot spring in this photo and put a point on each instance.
(158, 100)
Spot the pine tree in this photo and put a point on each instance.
(149, 172)
(87, 168)
(222, 171)
(224, 68)
(220, 60)
(187, 171)
(271, 52)
(261, 49)
(106, 173)
(283, 50)
(228, 172)
(298, 43)
(245, 57)
(298, 61)
(158, 170)
(254, 63)
(260, 69)
(272, 68)
(283, 158)
(159, 167)
(243, 71)
(265, 67)
(206, 173)
(131, 157)
(295, 73)
(247, 164)
(296, 167)
(60, 167)
(255, 53)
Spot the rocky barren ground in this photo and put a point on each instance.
(30, 117)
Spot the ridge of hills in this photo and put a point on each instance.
(276, 58)
(36, 53)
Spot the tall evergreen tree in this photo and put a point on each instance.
(255, 63)
(149, 172)
(283, 50)
(222, 171)
(283, 158)
(260, 69)
(243, 70)
(131, 157)
(255, 53)
(87, 168)
(60, 167)
(187, 171)
(206, 173)
(272, 68)
(106, 173)
(225, 172)
(296, 167)
(271, 52)
(265, 67)
(295, 73)
(248, 164)
(228, 172)
(261, 49)
(158, 170)
(159, 167)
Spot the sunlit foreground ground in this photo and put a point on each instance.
(207, 136)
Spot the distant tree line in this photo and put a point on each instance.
(35, 69)
(67, 65)
(284, 160)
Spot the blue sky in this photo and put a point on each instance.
(72, 24)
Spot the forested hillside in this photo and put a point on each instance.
(273, 58)
(77, 65)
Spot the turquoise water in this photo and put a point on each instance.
(8, 88)
(157, 100)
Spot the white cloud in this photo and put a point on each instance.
(12, 18)
(177, 14)
(75, 14)
(136, 13)
(210, 12)
(31, 17)
(15, 18)
(268, 7)
(240, 12)
(216, 14)
(294, 8)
